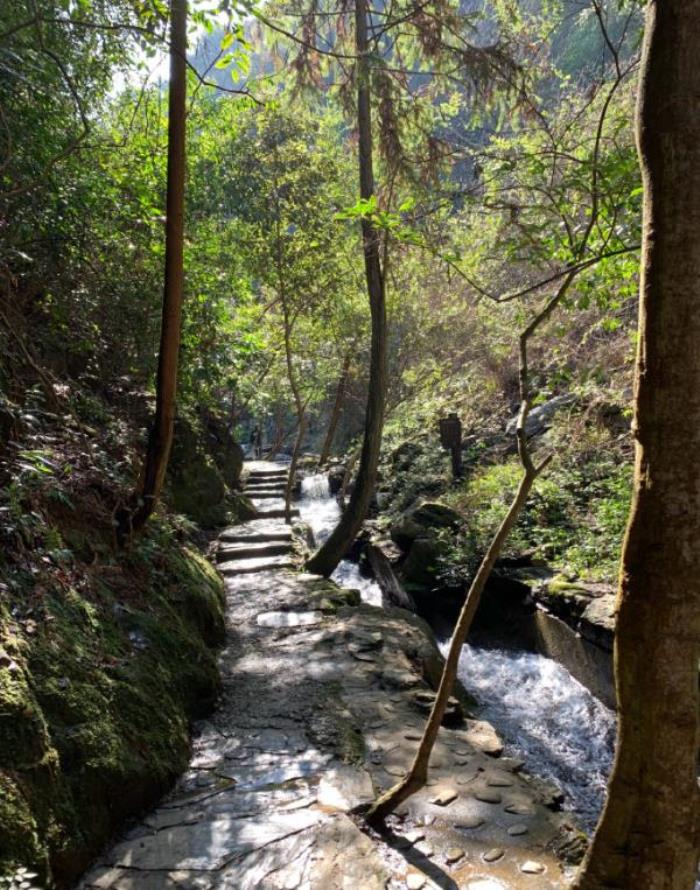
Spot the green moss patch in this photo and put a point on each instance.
(101, 672)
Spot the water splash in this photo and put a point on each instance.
(546, 717)
(320, 510)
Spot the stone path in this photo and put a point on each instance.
(324, 699)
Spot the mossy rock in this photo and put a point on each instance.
(195, 483)
(239, 508)
(95, 712)
(420, 566)
(422, 521)
(224, 450)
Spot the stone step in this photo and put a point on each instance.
(248, 549)
(277, 513)
(242, 536)
(256, 564)
(266, 527)
(266, 483)
(264, 493)
(267, 474)
(264, 505)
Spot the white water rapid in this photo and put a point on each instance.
(546, 717)
(320, 510)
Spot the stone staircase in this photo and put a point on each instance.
(265, 543)
(265, 484)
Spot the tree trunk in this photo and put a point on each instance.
(649, 833)
(335, 412)
(161, 436)
(418, 774)
(291, 477)
(299, 405)
(327, 558)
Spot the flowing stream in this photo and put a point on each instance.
(546, 717)
(543, 714)
(321, 511)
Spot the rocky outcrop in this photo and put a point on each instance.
(96, 694)
(380, 555)
(423, 521)
(418, 533)
(196, 485)
(204, 466)
(574, 623)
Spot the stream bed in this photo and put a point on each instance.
(548, 719)
(543, 714)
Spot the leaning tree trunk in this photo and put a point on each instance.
(335, 411)
(649, 833)
(161, 436)
(417, 776)
(327, 558)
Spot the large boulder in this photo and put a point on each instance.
(196, 485)
(421, 564)
(404, 456)
(336, 477)
(226, 452)
(423, 521)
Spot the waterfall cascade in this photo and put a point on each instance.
(320, 510)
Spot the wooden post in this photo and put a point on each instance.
(451, 438)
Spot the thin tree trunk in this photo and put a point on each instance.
(347, 476)
(161, 436)
(327, 558)
(418, 774)
(335, 412)
(289, 488)
(649, 833)
(299, 406)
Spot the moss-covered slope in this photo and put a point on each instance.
(99, 677)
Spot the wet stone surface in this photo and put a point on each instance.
(317, 714)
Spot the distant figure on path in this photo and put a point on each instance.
(256, 441)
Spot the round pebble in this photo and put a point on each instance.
(454, 854)
(519, 809)
(414, 836)
(493, 855)
(532, 868)
(516, 830)
(486, 796)
(499, 782)
(470, 822)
